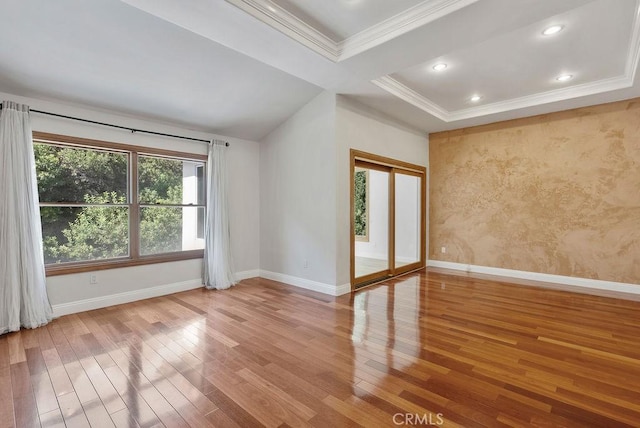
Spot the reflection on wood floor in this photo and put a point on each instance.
(463, 351)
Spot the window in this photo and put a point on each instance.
(83, 203)
(109, 205)
(170, 204)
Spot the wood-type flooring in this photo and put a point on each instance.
(424, 349)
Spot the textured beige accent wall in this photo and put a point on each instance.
(556, 193)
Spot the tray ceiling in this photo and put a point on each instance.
(508, 64)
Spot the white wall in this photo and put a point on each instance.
(243, 167)
(304, 187)
(288, 195)
(362, 128)
(297, 195)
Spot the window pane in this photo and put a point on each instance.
(201, 199)
(169, 229)
(86, 233)
(80, 175)
(200, 187)
(170, 181)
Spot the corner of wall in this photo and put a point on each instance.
(297, 176)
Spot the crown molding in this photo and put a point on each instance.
(292, 26)
(408, 20)
(576, 91)
(407, 94)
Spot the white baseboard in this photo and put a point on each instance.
(343, 289)
(239, 276)
(126, 297)
(320, 287)
(622, 287)
(162, 290)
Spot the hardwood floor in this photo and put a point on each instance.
(421, 349)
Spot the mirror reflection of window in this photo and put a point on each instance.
(361, 204)
(372, 255)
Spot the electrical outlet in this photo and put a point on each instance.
(443, 250)
(93, 278)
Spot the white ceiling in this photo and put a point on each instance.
(107, 54)
(240, 67)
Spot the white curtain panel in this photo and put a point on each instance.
(218, 270)
(23, 290)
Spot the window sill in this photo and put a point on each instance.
(70, 268)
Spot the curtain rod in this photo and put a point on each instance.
(133, 130)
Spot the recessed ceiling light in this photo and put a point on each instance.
(552, 30)
(475, 98)
(564, 77)
(440, 66)
(271, 8)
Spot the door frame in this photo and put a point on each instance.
(393, 166)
